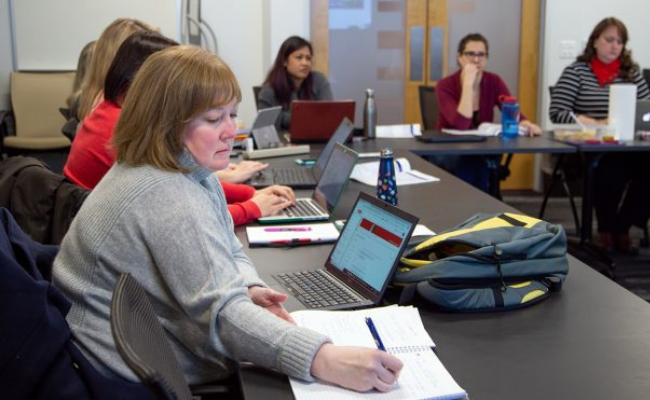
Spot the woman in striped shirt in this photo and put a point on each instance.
(583, 89)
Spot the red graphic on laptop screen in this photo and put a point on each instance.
(381, 232)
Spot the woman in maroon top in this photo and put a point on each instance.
(466, 99)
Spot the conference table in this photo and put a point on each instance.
(492, 149)
(589, 341)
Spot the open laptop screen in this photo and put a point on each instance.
(369, 247)
(335, 175)
(341, 135)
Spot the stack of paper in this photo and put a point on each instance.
(403, 334)
(398, 131)
(367, 173)
(291, 234)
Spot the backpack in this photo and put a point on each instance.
(487, 263)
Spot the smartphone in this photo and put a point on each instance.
(305, 162)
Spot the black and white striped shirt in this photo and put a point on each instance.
(578, 90)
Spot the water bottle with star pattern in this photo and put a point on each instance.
(386, 180)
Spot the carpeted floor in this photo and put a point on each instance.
(631, 272)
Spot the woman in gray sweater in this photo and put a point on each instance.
(291, 78)
(160, 215)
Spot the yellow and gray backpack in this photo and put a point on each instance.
(487, 263)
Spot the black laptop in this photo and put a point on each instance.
(304, 177)
(361, 264)
(436, 136)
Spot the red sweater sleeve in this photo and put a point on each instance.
(448, 91)
(243, 213)
(241, 208)
(237, 192)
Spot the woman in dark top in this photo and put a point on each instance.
(291, 78)
(622, 186)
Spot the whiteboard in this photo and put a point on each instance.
(48, 35)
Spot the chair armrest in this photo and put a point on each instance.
(7, 127)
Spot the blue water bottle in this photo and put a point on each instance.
(386, 181)
(509, 117)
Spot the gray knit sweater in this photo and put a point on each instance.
(174, 234)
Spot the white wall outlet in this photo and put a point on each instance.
(568, 49)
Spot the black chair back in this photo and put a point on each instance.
(256, 93)
(428, 106)
(142, 343)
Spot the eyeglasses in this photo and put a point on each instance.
(473, 54)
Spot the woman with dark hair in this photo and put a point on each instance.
(291, 78)
(583, 89)
(91, 155)
(467, 98)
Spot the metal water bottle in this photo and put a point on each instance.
(386, 181)
(370, 115)
(509, 118)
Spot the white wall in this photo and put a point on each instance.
(249, 34)
(6, 59)
(572, 22)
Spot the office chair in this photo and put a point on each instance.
(142, 343)
(428, 107)
(36, 98)
(256, 93)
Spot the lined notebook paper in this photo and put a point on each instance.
(403, 334)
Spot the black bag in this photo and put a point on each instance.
(487, 263)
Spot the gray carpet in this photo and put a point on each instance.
(631, 272)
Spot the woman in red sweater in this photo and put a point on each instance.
(91, 154)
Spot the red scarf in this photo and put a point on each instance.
(605, 73)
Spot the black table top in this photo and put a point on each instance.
(590, 341)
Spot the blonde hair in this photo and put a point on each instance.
(105, 49)
(172, 87)
(83, 65)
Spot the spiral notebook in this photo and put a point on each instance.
(402, 332)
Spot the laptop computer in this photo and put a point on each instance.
(263, 130)
(327, 193)
(316, 120)
(642, 120)
(361, 264)
(436, 136)
(304, 177)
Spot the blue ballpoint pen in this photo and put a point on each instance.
(375, 334)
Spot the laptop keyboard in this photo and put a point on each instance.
(315, 289)
(302, 208)
(293, 176)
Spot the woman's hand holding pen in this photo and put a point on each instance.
(356, 368)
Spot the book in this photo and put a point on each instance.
(402, 333)
(367, 173)
(485, 129)
(270, 235)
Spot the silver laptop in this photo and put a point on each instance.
(642, 121)
(263, 130)
(304, 177)
(330, 186)
(361, 264)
